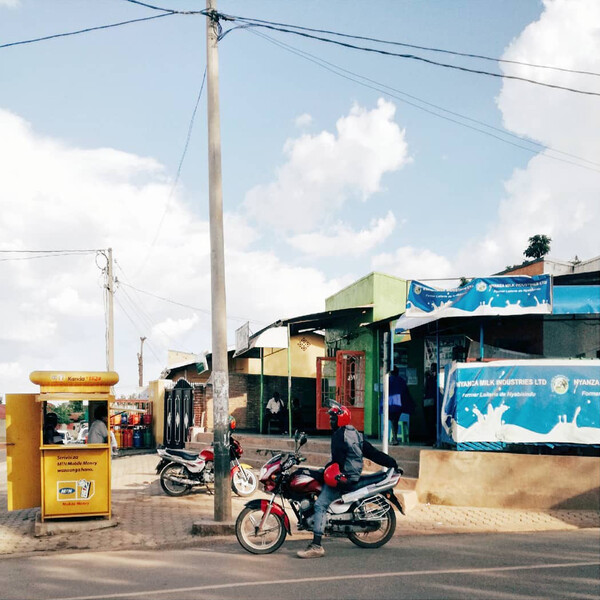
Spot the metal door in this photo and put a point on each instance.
(179, 414)
(326, 389)
(341, 379)
(350, 376)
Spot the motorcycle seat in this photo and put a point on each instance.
(367, 480)
(183, 454)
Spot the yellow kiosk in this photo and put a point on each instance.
(64, 479)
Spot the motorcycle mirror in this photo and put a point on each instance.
(303, 439)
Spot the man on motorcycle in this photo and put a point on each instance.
(348, 447)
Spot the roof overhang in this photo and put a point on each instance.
(276, 334)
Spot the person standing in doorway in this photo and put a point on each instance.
(430, 402)
(400, 401)
(275, 411)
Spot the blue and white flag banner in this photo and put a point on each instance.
(527, 401)
(519, 295)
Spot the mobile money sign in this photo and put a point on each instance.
(483, 296)
(525, 402)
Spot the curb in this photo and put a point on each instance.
(48, 528)
(209, 527)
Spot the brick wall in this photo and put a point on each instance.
(244, 399)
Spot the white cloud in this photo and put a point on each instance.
(10, 3)
(341, 239)
(326, 170)
(68, 302)
(11, 370)
(414, 263)
(550, 197)
(303, 120)
(173, 328)
(55, 196)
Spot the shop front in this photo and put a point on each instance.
(66, 479)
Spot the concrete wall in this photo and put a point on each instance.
(504, 480)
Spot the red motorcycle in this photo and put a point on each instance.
(364, 513)
(181, 470)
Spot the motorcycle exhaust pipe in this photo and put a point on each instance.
(183, 481)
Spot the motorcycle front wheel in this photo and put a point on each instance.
(244, 483)
(375, 538)
(171, 487)
(264, 542)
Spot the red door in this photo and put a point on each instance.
(341, 379)
(351, 384)
(326, 389)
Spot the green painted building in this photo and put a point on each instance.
(383, 297)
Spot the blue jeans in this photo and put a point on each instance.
(326, 497)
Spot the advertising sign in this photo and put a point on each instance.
(76, 482)
(483, 296)
(527, 401)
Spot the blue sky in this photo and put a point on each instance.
(324, 180)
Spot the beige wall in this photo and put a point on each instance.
(305, 349)
(504, 480)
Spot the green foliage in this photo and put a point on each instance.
(539, 245)
(64, 410)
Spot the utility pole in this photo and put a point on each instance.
(141, 362)
(386, 392)
(220, 374)
(110, 333)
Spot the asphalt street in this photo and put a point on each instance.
(508, 566)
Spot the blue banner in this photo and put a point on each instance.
(483, 296)
(529, 401)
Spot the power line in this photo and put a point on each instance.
(87, 30)
(179, 168)
(49, 255)
(405, 45)
(410, 57)
(144, 313)
(202, 310)
(382, 88)
(137, 328)
(50, 251)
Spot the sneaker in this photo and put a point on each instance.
(313, 551)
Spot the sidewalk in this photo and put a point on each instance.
(147, 518)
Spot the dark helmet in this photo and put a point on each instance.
(341, 414)
(332, 475)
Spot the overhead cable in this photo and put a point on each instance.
(408, 56)
(87, 30)
(203, 310)
(405, 45)
(380, 87)
(178, 174)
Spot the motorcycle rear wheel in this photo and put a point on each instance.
(170, 487)
(379, 537)
(265, 542)
(244, 484)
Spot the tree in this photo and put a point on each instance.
(539, 245)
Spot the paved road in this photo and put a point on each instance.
(482, 566)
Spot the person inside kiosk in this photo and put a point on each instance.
(98, 432)
(51, 436)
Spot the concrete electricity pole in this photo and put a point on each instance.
(110, 334)
(220, 374)
(141, 362)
